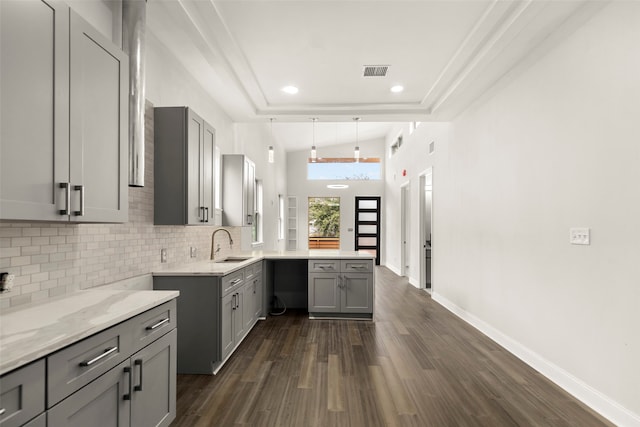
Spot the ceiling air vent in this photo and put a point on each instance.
(375, 71)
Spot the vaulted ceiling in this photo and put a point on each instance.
(444, 53)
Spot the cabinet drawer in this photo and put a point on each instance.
(249, 272)
(79, 364)
(22, 394)
(324, 265)
(152, 324)
(356, 265)
(231, 281)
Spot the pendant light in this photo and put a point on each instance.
(271, 154)
(313, 146)
(356, 151)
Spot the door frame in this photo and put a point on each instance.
(423, 232)
(405, 211)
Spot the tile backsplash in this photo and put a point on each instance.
(51, 259)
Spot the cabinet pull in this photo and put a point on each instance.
(249, 219)
(2, 411)
(138, 362)
(202, 211)
(157, 325)
(80, 188)
(233, 302)
(106, 352)
(206, 209)
(358, 266)
(325, 266)
(127, 396)
(67, 198)
(236, 281)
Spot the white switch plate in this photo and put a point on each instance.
(163, 255)
(579, 236)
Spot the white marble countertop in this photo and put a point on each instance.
(30, 332)
(213, 268)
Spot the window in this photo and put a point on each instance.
(344, 168)
(280, 217)
(324, 222)
(256, 228)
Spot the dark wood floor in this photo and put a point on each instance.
(416, 365)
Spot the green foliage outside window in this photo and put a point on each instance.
(324, 217)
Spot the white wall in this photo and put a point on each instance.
(557, 147)
(299, 186)
(414, 158)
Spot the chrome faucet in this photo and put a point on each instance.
(213, 239)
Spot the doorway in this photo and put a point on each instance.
(368, 225)
(324, 222)
(405, 209)
(426, 227)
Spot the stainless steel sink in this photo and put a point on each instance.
(234, 259)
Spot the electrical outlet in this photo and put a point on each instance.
(579, 236)
(163, 255)
(193, 252)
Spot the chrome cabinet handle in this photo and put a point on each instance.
(202, 211)
(80, 188)
(233, 302)
(206, 209)
(235, 282)
(106, 352)
(2, 411)
(358, 266)
(127, 396)
(339, 281)
(138, 362)
(67, 198)
(157, 325)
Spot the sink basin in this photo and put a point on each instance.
(234, 259)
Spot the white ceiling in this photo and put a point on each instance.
(445, 53)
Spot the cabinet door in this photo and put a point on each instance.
(34, 123)
(227, 312)
(153, 398)
(208, 175)
(99, 120)
(324, 293)
(195, 132)
(22, 394)
(101, 403)
(249, 306)
(239, 317)
(258, 294)
(357, 293)
(250, 191)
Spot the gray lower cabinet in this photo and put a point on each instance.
(139, 391)
(22, 394)
(122, 376)
(341, 287)
(73, 83)
(184, 158)
(216, 314)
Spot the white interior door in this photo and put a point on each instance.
(426, 203)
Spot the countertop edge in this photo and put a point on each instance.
(28, 357)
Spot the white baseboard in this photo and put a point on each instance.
(414, 282)
(591, 397)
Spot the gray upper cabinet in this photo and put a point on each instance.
(184, 168)
(64, 117)
(238, 190)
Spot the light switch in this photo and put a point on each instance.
(579, 236)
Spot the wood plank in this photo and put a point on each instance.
(416, 365)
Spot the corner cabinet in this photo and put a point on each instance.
(341, 288)
(64, 118)
(217, 313)
(238, 190)
(184, 159)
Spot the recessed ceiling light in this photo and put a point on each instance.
(337, 186)
(291, 90)
(397, 89)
